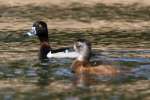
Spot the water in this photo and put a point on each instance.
(24, 77)
(34, 80)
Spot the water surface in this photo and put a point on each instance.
(28, 78)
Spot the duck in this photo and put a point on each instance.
(39, 29)
(86, 73)
(82, 65)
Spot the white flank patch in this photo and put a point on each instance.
(63, 55)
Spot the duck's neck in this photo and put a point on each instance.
(43, 35)
(45, 48)
(83, 57)
(43, 39)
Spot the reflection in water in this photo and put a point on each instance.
(43, 73)
(143, 71)
(54, 76)
(85, 80)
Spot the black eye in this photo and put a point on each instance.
(78, 46)
(72, 71)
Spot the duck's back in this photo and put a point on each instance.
(106, 70)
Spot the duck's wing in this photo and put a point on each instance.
(65, 49)
(62, 53)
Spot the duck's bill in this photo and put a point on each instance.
(63, 55)
(29, 34)
(32, 32)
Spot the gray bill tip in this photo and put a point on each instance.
(30, 34)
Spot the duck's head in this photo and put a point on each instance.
(39, 28)
(83, 48)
